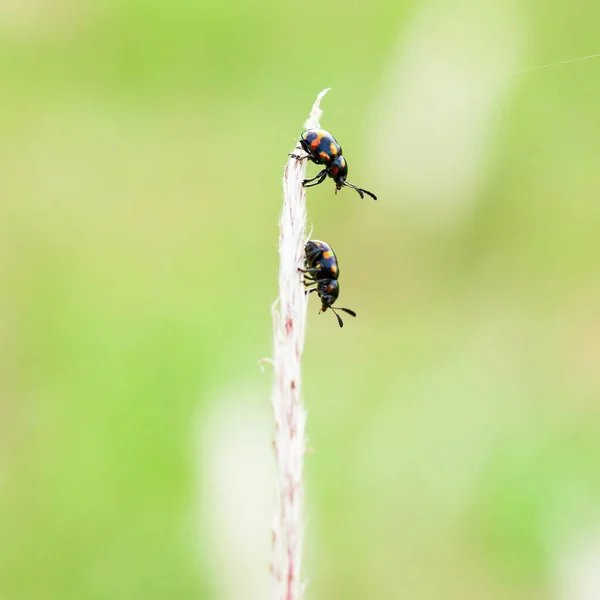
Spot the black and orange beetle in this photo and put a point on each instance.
(321, 269)
(322, 149)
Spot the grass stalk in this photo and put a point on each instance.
(289, 328)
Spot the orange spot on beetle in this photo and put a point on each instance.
(324, 155)
(327, 254)
(333, 149)
(315, 143)
(334, 171)
(333, 269)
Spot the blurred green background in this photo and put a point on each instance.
(455, 421)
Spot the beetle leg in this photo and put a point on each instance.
(320, 176)
(315, 282)
(308, 270)
(298, 157)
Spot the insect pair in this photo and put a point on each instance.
(322, 269)
(322, 149)
(321, 266)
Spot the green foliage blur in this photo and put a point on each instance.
(456, 421)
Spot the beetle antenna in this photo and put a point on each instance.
(340, 322)
(360, 191)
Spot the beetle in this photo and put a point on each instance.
(322, 149)
(322, 269)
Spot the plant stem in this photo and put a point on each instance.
(289, 328)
